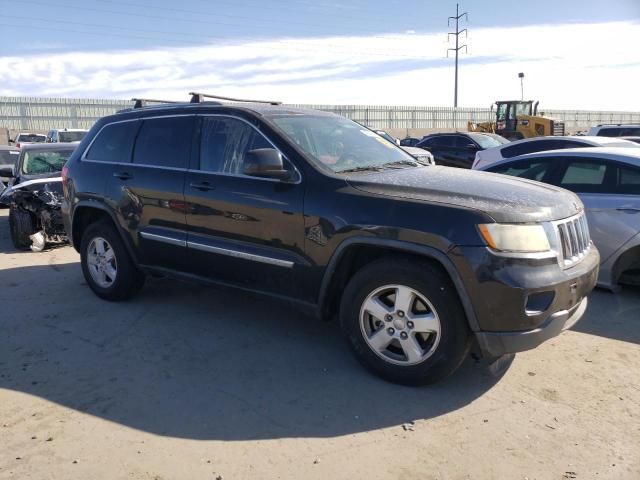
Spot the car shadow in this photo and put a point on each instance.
(197, 362)
(613, 315)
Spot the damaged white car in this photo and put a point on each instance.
(34, 195)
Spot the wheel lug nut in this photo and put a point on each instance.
(404, 335)
(390, 331)
(410, 324)
(400, 313)
(388, 318)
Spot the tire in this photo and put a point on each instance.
(437, 340)
(111, 275)
(21, 225)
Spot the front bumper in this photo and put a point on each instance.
(495, 344)
(521, 303)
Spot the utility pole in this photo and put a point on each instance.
(458, 46)
(521, 77)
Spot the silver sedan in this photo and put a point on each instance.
(607, 180)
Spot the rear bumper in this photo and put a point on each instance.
(495, 344)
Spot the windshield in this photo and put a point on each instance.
(485, 141)
(341, 144)
(8, 156)
(67, 137)
(40, 162)
(30, 138)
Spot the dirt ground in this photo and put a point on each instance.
(191, 382)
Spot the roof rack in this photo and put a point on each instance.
(142, 102)
(200, 97)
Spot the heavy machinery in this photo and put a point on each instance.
(517, 119)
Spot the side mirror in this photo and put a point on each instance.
(265, 163)
(6, 172)
(471, 145)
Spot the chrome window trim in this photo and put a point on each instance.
(163, 239)
(242, 255)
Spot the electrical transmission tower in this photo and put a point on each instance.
(458, 46)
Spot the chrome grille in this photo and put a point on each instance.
(574, 239)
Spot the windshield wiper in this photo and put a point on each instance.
(400, 164)
(368, 168)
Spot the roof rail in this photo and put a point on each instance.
(142, 102)
(617, 124)
(200, 97)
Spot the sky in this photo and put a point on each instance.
(575, 54)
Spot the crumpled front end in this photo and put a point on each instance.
(42, 199)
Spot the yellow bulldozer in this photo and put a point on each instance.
(517, 119)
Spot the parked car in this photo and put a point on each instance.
(615, 130)
(34, 194)
(423, 156)
(631, 139)
(540, 144)
(8, 157)
(385, 135)
(459, 149)
(66, 135)
(27, 138)
(416, 261)
(409, 142)
(607, 180)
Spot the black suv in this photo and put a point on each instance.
(416, 261)
(459, 149)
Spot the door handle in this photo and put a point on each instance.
(204, 186)
(123, 175)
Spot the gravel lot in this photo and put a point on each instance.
(191, 382)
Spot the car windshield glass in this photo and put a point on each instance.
(31, 138)
(71, 136)
(485, 141)
(40, 162)
(342, 145)
(8, 156)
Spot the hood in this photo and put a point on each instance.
(506, 199)
(48, 190)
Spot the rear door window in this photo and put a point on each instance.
(534, 169)
(588, 176)
(114, 143)
(164, 142)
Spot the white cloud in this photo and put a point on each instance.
(581, 66)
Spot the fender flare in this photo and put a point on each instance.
(399, 246)
(100, 206)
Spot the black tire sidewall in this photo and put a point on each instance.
(436, 286)
(21, 226)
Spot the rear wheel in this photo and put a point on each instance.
(106, 264)
(21, 226)
(404, 321)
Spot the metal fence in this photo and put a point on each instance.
(33, 113)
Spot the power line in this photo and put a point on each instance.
(458, 47)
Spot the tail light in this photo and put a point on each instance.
(65, 176)
(17, 145)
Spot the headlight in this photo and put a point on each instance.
(515, 238)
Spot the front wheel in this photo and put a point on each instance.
(404, 321)
(21, 227)
(106, 264)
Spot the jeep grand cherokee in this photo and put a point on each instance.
(416, 261)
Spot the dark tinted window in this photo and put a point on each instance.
(225, 142)
(629, 180)
(619, 131)
(588, 176)
(534, 169)
(114, 143)
(164, 142)
(536, 146)
(442, 141)
(462, 141)
(8, 157)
